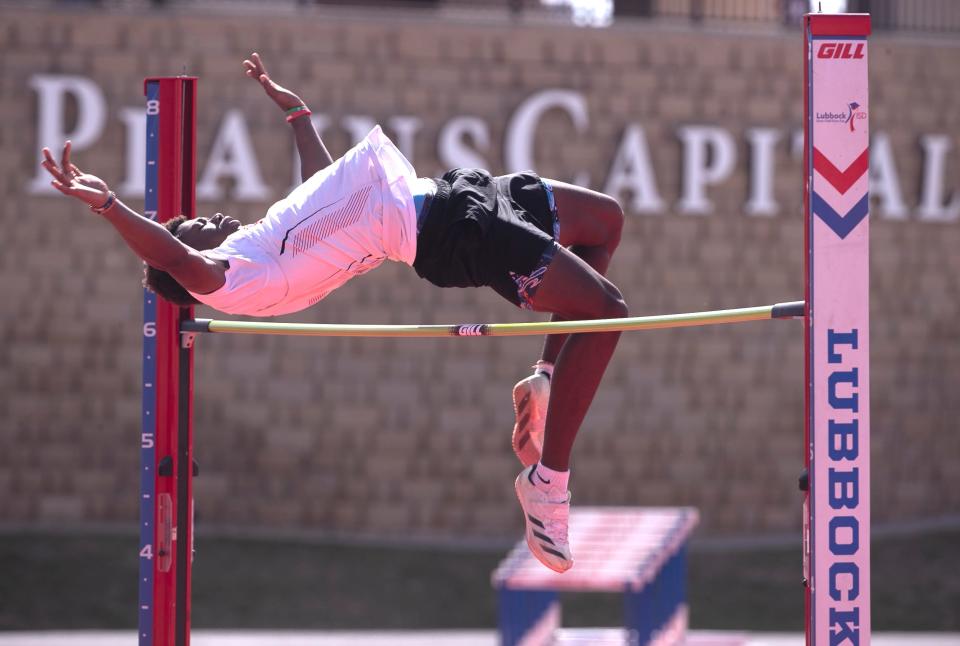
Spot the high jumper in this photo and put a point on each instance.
(542, 244)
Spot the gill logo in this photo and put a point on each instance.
(840, 50)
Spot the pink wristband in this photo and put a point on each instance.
(298, 114)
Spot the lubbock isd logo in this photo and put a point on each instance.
(850, 116)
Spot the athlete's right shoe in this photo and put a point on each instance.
(530, 399)
(547, 516)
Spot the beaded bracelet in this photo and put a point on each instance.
(100, 210)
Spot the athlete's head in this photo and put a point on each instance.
(203, 233)
(200, 234)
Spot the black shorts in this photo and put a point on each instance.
(481, 230)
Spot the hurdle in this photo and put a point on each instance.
(835, 311)
(640, 552)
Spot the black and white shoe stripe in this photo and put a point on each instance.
(545, 541)
(524, 414)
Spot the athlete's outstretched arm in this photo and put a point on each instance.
(150, 241)
(313, 154)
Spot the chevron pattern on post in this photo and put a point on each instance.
(842, 180)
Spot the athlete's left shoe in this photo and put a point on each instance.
(530, 399)
(547, 516)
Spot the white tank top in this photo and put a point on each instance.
(342, 222)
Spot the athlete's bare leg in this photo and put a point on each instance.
(590, 226)
(572, 289)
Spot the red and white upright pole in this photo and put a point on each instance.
(837, 428)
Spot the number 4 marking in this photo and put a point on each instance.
(147, 551)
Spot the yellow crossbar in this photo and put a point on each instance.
(741, 315)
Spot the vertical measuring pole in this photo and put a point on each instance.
(166, 459)
(837, 428)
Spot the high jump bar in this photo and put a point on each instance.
(790, 310)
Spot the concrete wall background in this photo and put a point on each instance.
(411, 438)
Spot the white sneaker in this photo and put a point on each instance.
(547, 520)
(530, 399)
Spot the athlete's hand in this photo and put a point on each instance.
(255, 69)
(70, 180)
